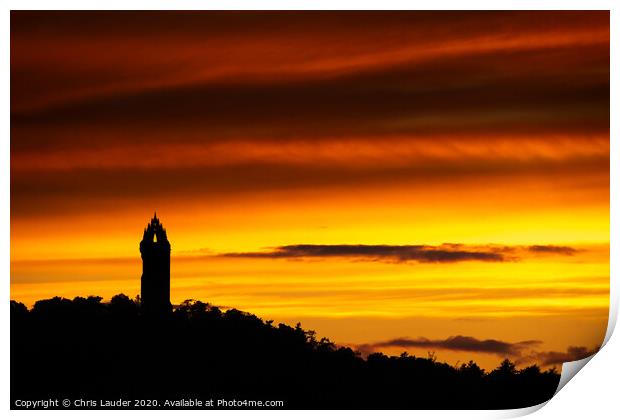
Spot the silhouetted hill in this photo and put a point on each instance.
(86, 349)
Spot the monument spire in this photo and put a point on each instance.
(155, 282)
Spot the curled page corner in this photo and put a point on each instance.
(570, 369)
(518, 412)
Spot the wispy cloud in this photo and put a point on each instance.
(445, 253)
(456, 343)
(522, 352)
(549, 358)
(552, 249)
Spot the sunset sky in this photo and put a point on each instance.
(397, 181)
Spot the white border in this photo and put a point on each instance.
(593, 394)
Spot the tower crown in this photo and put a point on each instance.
(155, 232)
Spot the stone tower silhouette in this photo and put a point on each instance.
(155, 283)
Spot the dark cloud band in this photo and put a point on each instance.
(550, 249)
(446, 253)
(523, 351)
(550, 358)
(458, 343)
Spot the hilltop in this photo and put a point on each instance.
(87, 349)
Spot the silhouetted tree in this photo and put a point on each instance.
(85, 348)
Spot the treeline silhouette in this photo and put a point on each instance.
(84, 348)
